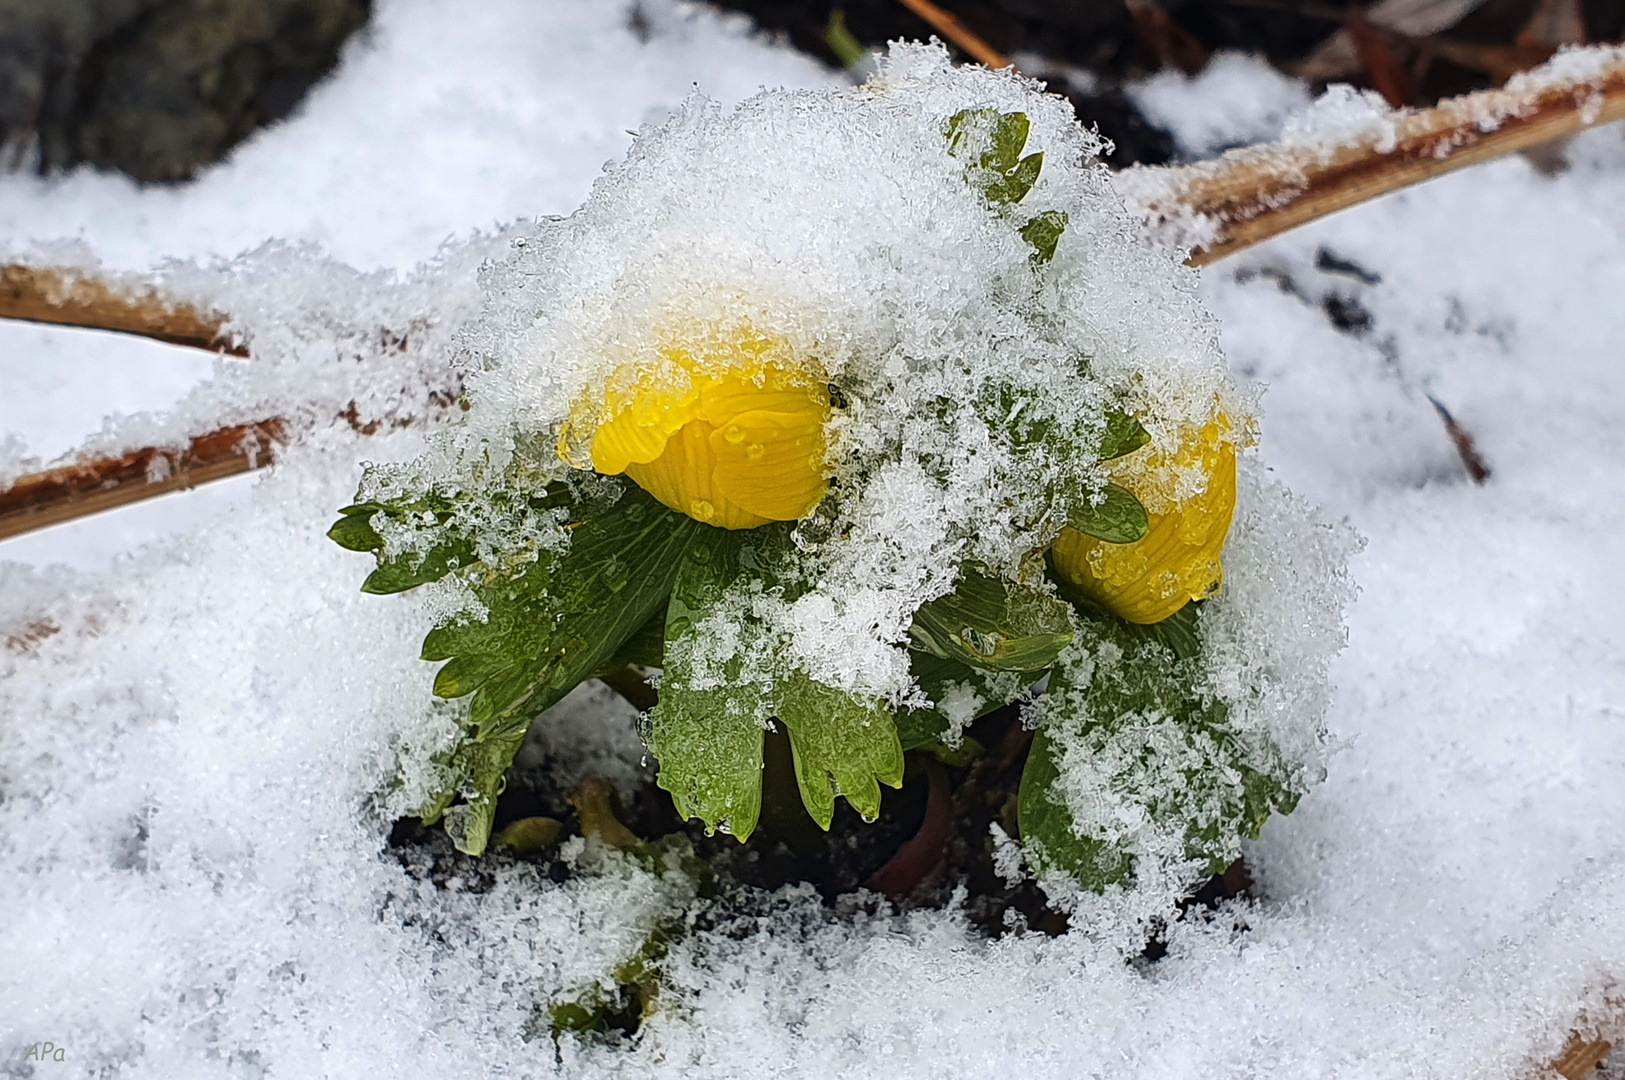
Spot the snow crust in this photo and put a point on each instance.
(198, 741)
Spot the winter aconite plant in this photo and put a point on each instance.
(858, 415)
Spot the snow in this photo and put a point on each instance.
(197, 736)
(1237, 100)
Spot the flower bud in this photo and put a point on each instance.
(725, 426)
(1189, 499)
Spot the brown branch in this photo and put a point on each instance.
(72, 298)
(1248, 196)
(955, 31)
(98, 484)
(1580, 1057)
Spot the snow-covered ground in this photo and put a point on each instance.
(199, 715)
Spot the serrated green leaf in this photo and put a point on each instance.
(1124, 435)
(842, 744)
(992, 142)
(993, 624)
(355, 530)
(1119, 518)
(709, 745)
(410, 571)
(708, 741)
(556, 624)
(1047, 830)
(546, 631)
(1044, 233)
(1137, 720)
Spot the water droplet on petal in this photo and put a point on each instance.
(755, 450)
(701, 510)
(733, 433)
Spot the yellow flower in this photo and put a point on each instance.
(726, 426)
(1178, 559)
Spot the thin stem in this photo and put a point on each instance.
(73, 298)
(946, 24)
(1218, 208)
(50, 498)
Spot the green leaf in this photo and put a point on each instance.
(709, 745)
(971, 134)
(937, 678)
(993, 624)
(1164, 763)
(1044, 233)
(355, 530)
(1124, 435)
(1119, 518)
(554, 625)
(481, 768)
(549, 629)
(1013, 186)
(708, 741)
(1009, 140)
(992, 142)
(409, 571)
(1179, 633)
(645, 648)
(842, 744)
(1047, 830)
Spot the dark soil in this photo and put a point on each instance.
(933, 838)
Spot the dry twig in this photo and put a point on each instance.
(103, 483)
(1580, 1057)
(1462, 440)
(73, 298)
(948, 26)
(1248, 196)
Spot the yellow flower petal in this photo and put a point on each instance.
(681, 477)
(771, 463)
(1179, 558)
(727, 428)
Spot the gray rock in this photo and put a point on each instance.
(157, 88)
